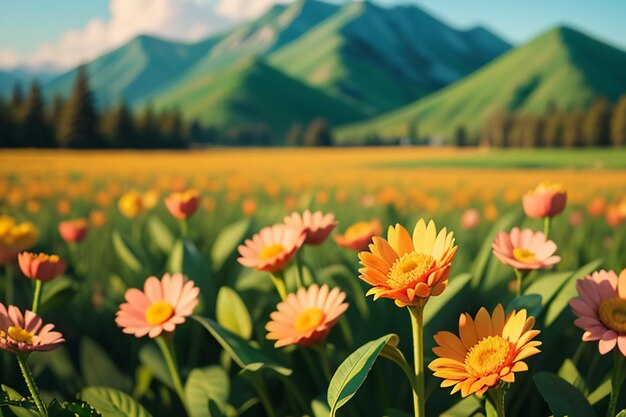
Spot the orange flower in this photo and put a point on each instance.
(131, 204)
(359, 235)
(184, 204)
(42, 266)
(307, 316)
(409, 270)
(547, 200)
(272, 248)
(317, 226)
(73, 230)
(15, 237)
(490, 349)
(470, 219)
(97, 218)
(249, 206)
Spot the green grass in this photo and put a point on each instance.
(524, 158)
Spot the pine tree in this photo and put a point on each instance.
(498, 129)
(121, 133)
(79, 124)
(460, 137)
(318, 133)
(293, 138)
(596, 124)
(147, 131)
(34, 131)
(618, 123)
(17, 96)
(532, 132)
(55, 114)
(572, 129)
(553, 129)
(413, 133)
(7, 128)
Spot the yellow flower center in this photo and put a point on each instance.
(271, 251)
(20, 335)
(613, 314)
(409, 269)
(487, 356)
(524, 255)
(357, 229)
(551, 186)
(309, 319)
(159, 313)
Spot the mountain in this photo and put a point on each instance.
(562, 67)
(252, 93)
(8, 78)
(382, 58)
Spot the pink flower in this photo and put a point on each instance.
(42, 267)
(272, 248)
(26, 332)
(306, 316)
(470, 219)
(600, 307)
(547, 200)
(317, 225)
(525, 249)
(159, 307)
(73, 230)
(183, 205)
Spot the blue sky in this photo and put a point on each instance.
(37, 30)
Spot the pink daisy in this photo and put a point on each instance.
(272, 248)
(159, 307)
(306, 316)
(317, 225)
(525, 249)
(600, 308)
(26, 332)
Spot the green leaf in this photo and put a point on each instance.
(352, 372)
(214, 409)
(113, 403)
(206, 384)
(232, 313)
(151, 357)
(57, 292)
(392, 412)
(603, 391)
(160, 234)
(143, 380)
(186, 259)
(98, 369)
(227, 241)
(562, 397)
(569, 372)
(243, 353)
(130, 254)
(72, 409)
(467, 407)
(490, 410)
(19, 405)
(319, 407)
(621, 413)
(531, 303)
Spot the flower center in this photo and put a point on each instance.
(487, 356)
(20, 335)
(613, 314)
(357, 229)
(524, 255)
(309, 319)
(271, 251)
(551, 186)
(409, 269)
(159, 313)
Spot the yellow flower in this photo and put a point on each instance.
(131, 204)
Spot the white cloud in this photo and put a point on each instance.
(244, 9)
(175, 19)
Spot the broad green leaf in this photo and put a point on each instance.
(214, 409)
(206, 384)
(232, 314)
(99, 370)
(72, 409)
(531, 303)
(391, 352)
(562, 397)
(621, 413)
(243, 353)
(143, 380)
(151, 357)
(352, 372)
(19, 405)
(603, 391)
(160, 234)
(547, 286)
(186, 259)
(569, 373)
(490, 410)
(57, 292)
(227, 241)
(130, 254)
(113, 403)
(319, 407)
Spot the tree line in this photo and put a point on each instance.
(26, 120)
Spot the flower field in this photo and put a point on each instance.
(350, 282)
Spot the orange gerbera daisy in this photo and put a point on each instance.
(490, 349)
(409, 270)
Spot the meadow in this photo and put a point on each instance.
(223, 364)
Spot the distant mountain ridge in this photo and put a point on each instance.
(562, 67)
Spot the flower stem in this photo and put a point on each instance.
(497, 398)
(167, 348)
(30, 382)
(279, 282)
(547, 222)
(300, 276)
(417, 324)
(323, 352)
(37, 295)
(616, 380)
(262, 393)
(184, 229)
(520, 277)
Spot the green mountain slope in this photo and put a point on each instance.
(562, 67)
(140, 68)
(252, 93)
(382, 58)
